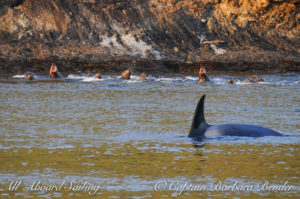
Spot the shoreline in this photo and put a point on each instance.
(150, 67)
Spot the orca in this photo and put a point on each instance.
(200, 129)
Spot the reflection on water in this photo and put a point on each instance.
(129, 136)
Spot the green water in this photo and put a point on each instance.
(129, 139)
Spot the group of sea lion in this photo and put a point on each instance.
(98, 75)
(250, 79)
(199, 129)
(53, 73)
(126, 75)
(204, 78)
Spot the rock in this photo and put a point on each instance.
(251, 33)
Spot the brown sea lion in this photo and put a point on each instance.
(126, 74)
(252, 79)
(257, 79)
(29, 75)
(98, 76)
(143, 77)
(54, 72)
(202, 75)
(230, 81)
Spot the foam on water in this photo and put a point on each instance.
(36, 77)
(219, 80)
(285, 79)
(19, 76)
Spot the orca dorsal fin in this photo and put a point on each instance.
(199, 124)
(199, 119)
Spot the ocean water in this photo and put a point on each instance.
(129, 138)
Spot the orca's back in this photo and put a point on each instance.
(239, 130)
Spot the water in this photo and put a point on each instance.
(130, 137)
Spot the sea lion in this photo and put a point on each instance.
(29, 75)
(230, 81)
(54, 72)
(143, 77)
(202, 75)
(252, 79)
(98, 76)
(257, 79)
(126, 74)
(201, 129)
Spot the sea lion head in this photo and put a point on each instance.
(202, 75)
(28, 75)
(126, 74)
(143, 77)
(229, 81)
(250, 80)
(98, 76)
(257, 79)
(202, 71)
(53, 68)
(53, 71)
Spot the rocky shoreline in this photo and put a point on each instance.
(155, 36)
(147, 66)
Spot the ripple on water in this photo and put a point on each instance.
(128, 135)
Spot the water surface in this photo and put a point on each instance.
(130, 137)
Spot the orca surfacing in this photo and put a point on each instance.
(201, 129)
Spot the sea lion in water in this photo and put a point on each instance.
(54, 72)
(230, 81)
(257, 79)
(202, 75)
(143, 77)
(252, 79)
(98, 76)
(201, 129)
(29, 75)
(126, 74)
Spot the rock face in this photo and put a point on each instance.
(151, 35)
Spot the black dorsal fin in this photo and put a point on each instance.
(199, 114)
